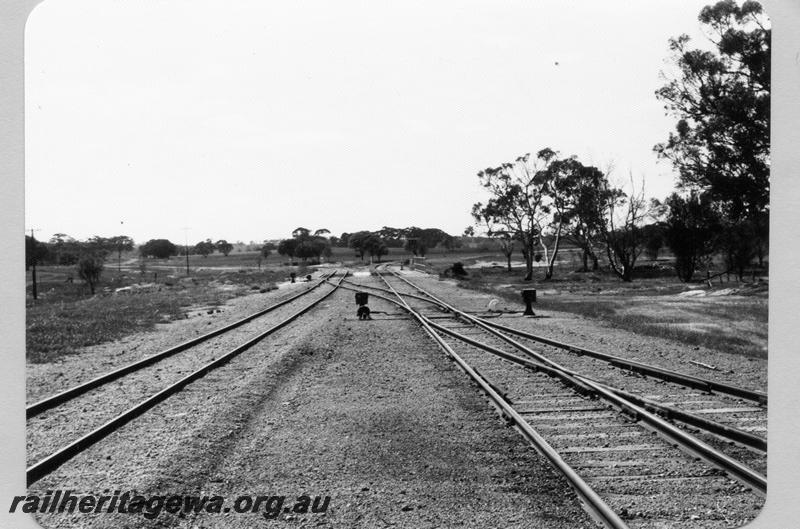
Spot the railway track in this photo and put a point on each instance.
(148, 382)
(56, 399)
(732, 412)
(640, 450)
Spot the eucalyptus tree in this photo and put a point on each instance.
(288, 247)
(587, 216)
(204, 248)
(624, 214)
(375, 246)
(517, 192)
(120, 243)
(721, 98)
(560, 206)
(357, 241)
(223, 246)
(158, 248)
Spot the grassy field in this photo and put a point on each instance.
(729, 316)
(66, 316)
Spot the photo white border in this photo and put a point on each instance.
(782, 509)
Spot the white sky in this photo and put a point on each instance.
(243, 120)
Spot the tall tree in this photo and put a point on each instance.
(57, 242)
(223, 246)
(204, 248)
(120, 243)
(721, 143)
(288, 247)
(312, 247)
(393, 237)
(266, 249)
(690, 229)
(623, 215)
(357, 242)
(158, 248)
(586, 218)
(517, 191)
(97, 245)
(565, 177)
(376, 246)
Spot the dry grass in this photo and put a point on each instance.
(739, 331)
(66, 317)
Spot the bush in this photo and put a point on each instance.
(458, 270)
(89, 269)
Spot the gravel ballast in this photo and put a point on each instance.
(369, 413)
(748, 372)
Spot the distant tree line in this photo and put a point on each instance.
(413, 239)
(306, 246)
(62, 249)
(87, 256)
(164, 248)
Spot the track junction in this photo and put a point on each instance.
(636, 442)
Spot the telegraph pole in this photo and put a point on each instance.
(186, 240)
(119, 251)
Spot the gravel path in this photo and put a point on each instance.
(368, 413)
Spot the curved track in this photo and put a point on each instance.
(636, 462)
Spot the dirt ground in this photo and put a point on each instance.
(369, 413)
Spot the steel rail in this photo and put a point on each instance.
(577, 381)
(727, 432)
(645, 369)
(53, 461)
(421, 298)
(730, 433)
(631, 365)
(689, 443)
(591, 501)
(63, 396)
